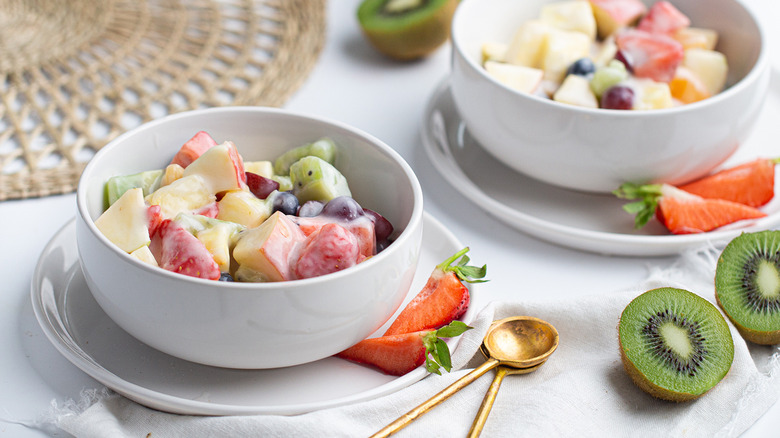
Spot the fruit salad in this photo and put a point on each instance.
(210, 214)
(612, 54)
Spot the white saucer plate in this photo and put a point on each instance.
(579, 220)
(80, 330)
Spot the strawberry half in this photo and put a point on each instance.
(682, 212)
(443, 299)
(398, 354)
(751, 183)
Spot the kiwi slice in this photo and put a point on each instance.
(747, 285)
(406, 29)
(675, 345)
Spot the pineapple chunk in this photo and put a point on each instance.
(186, 194)
(528, 43)
(262, 168)
(493, 52)
(652, 95)
(218, 240)
(242, 207)
(172, 173)
(562, 48)
(697, 38)
(572, 15)
(517, 77)
(575, 90)
(709, 66)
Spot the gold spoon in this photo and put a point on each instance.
(520, 342)
(501, 372)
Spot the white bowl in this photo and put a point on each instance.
(252, 325)
(596, 150)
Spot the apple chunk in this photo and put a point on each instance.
(221, 167)
(518, 77)
(126, 222)
(264, 253)
(612, 15)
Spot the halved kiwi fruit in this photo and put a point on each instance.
(747, 285)
(406, 29)
(675, 345)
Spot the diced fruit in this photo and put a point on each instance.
(172, 173)
(608, 76)
(145, 255)
(561, 49)
(126, 222)
(517, 77)
(193, 148)
(186, 194)
(709, 66)
(221, 167)
(682, 212)
(527, 45)
(652, 56)
(262, 168)
(242, 207)
(218, 236)
(323, 148)
(493, 52)
(606, 52)
(574, 15)
(209, 210)
(177, 250)
(581, 67)
(612, 15)
(148, 181)
(652, 95)
(751, 183)
(442, 299)
(687, 87)
(285, 184)
(663, 18)
(265, 251)
(618, 97)
(260, 186)
(330, 249)
(575, 90)
(697, 38)
(362, 229)
(315, 179)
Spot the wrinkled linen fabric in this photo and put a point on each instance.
(582, 390)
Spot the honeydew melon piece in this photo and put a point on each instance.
(186, 194)
(323, 148)
(148, 181)
(126, 222)
(518, 77)
(562, 48)
(314, 179)
(575, 90)
(220, 166)
(527, 45)
(708, 65)
(263, 253)
(573, 15)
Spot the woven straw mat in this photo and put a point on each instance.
(74, 74)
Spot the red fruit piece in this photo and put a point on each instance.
(752, 183)
(329, 249)
(260, 186)
(443, 299)
(682, 212)
(154, 213)
(362, 228)
(193, 148)
(652, 56)
(209, 210)
(663, 18)
(177, 250)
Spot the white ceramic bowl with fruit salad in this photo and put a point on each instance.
(695, 86)
(237, 324)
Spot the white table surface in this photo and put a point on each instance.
(353, 84)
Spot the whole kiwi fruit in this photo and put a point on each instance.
(747, 285)
(674, 344)
(406, 29)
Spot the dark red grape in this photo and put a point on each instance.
(625, 59)
(343, 207)
(618, 97)
(310, 209)
(285, 202)
(382, 227)
(260, 186)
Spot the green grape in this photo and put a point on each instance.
(608, 76)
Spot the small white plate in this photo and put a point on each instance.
(584, 221)
(87, 337)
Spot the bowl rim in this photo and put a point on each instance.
(760, 67)
(415, 219)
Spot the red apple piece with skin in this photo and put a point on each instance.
(193, 148)
(221, 167)
(612, 15)
(265, 251)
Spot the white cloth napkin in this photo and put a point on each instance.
(582, 390)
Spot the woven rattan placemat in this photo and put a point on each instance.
(76, 73)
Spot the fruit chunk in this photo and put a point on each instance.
(116, 186)
(747, 285)
(674, 344)
(193, 148)
(527, 45)
(260, 186)
(315, 179)
(686, 86)
(323, 148)
(219, 237)
(751, 183)
(406, 29)
(242, 207)
(574, 15)
(145, 255)
(399, 354)
(652, 56)
(682, 212)
(575, 90)
(608, 76)
(442, 299)
(697, 38)
(331, 248)
(709, 66)
(186, 194)
(263, 253)
(516, 77)
(494, 52)
(221, 167)
(177, 250)
(663, 18)
(612, 15)
(561, 49)
(262, 168)
(652, 95)
(126, 222)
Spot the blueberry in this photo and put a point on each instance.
(581, 67)
(285, 202)
(224, 276)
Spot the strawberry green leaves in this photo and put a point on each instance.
(437, 351)
(645, 208)
(462, 270)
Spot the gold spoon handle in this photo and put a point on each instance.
(487, 403)
(444, 394)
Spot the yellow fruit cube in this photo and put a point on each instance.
(652, 95)
(562, 48)
(687, 87)
(528, 43)
(573, 15)
(697, 38)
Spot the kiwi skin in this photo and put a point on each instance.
(654, 309)
(418, 39)
(766, 245)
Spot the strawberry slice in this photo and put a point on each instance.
(193, 148)
(443, 299)
(177, 250)
(751, 183)
(650, 55)
(398, 354)
(682, 212)
(664, 18)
